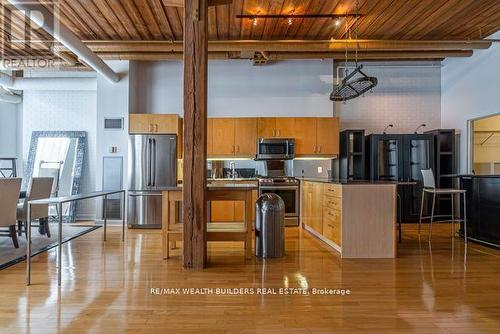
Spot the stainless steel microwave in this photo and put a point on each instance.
(275, 148)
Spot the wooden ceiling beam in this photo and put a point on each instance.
(180, 3)
(289, 46)
(273, 56)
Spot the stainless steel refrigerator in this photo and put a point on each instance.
(152, 168)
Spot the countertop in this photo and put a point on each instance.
(226, 186)
(347, 182)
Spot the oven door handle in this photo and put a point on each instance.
(279, 187)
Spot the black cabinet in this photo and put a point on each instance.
(483, 207)
(445, 165)
(352, 155)
(401, 157)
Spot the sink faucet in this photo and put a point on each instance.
(232, 166)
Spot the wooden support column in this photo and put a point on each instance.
(195, 133)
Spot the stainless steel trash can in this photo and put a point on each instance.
(269, 226)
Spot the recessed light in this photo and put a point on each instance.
(337, 22)
(290, 21)
(254, 21)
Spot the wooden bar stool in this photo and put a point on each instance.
(430, 187)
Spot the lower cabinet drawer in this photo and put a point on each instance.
(332, 202)
(332, 224)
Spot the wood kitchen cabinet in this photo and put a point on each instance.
(312, 203)
(232, 137)
(237, 137)
(316, 136)
(223, 136)
(245, 139)
(230, 211)
(357, 219)
(266, 127)
(276, 127)
(210, 142)
(154, 123)
(305, 136)
(327, 135)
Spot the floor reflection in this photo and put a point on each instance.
(106, 288)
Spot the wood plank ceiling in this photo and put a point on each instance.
(382, 19)
(153, 20)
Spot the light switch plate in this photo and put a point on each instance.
(320, 170)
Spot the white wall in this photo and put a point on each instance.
(407, 95)
(236, 88)
(8, 130)
(64, 111)
(470, 88)
(112, 102)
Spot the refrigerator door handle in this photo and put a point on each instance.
(153, 169)
(148, 159)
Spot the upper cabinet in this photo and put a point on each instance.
(327, 136)
(245, 139)
(266, 127)
(223, 136)
(305, 136)
(271, 127)
(232, 137)
(155, 124)
(210, 141)
(316, 136)
(237, 137)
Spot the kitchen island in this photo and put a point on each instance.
(172, 230)
(357, 218)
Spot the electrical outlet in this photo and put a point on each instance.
(320, 170)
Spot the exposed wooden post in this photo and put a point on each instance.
(195, 133)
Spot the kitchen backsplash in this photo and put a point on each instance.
(251, 168)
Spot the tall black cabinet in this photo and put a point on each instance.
(446, 166)
(401, 157)
(352, 155)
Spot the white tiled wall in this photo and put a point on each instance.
(406, 96)
(64, 111)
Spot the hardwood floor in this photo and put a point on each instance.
(106, 289)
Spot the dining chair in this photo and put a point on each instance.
(9, 194)
(40, 187)
(430, 188)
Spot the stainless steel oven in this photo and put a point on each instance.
(275, 148)
(288, 189)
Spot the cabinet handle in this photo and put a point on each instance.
(238, 149)
(151, 128)
(156, 127)
(279, 131)
(232, 151)
(314, 148)
(274, 133)
(319, 149)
